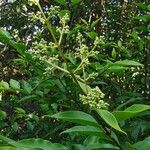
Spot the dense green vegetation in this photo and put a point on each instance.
(74, 75)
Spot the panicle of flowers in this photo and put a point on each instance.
(92, 75)
(64, 28)
(64, 20)
(53, 11)
(80, 39)
(94, 99)
(51, 62)
(42, 50)
(35, 17)
(82, 51)
(99, 40)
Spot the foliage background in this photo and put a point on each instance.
(124, 26)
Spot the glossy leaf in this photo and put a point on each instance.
(41, 144)
(130, 112)
(110, 119)
(76, 117)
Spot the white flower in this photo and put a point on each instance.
(94, 99)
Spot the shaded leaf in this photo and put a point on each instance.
(130, 112)
(88, 130)
(75, 2)
(62, 2)
(2, 115)
(143, 145)
(14, 84)
(102, 147)
(6, 38)
(27, 87)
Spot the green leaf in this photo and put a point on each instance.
(13, 148)
(143, 145)
(91, 140)
(129, 146)
(119, 43)
(145, 17)
(41, 144)
(88, 130)
(117, 69)
(92, 35)
(27, 87)
(127, 63)
(31, 144)
(95, 23)
(142, 6)
(7, 148)
(76, 117)
(110, 119)
(19, 46)
(4, 85)
(6, 38)
(14, 84)
(62, 2)
(114, 54)
(2, 115)
(75, 2)
(10, 141)
(84, 21)
(130, 112)
(102, 147)
(84, 87)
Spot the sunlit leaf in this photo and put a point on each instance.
(76, 117)
(110, 119)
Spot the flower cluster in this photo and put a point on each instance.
(64, 28)
(35, 17)
(43, 50)
(53, 11)
(98, 40)
(94, 99)
(82, 51)
(33, 2)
